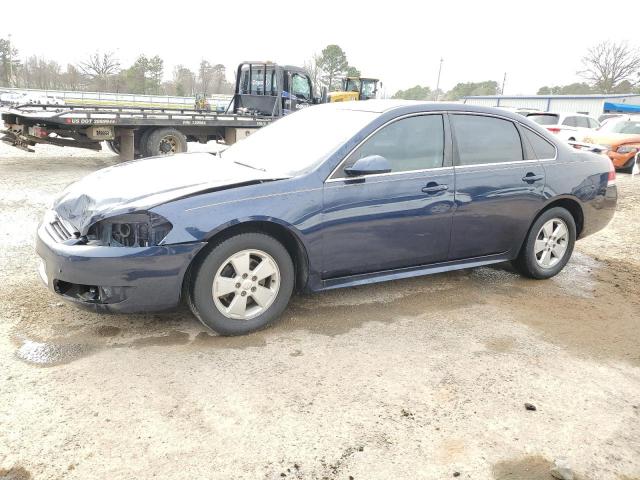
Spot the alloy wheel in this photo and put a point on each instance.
(551, 243)
(246, 284)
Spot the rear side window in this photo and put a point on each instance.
(570, 122)
(414, 143)
(593, 123)
(486, 140)
(582, 122)
(544, 119)
(541, 148)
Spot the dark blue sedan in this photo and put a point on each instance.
(332, 196)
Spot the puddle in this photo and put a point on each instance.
(527, 468)
(108, 331)
(51, 354)
(204, 339)
(500, 344)
(174, 337)
(14, 473)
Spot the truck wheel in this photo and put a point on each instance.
(114, 146)
(142, 145)
(243, 284)
(165, 141)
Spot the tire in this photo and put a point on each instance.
(114, 146)
(531, 263)
(215, 275)
(164, 141)
(143, 145)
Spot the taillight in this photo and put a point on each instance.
(553, 129)
(611, 180)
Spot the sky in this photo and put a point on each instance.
(535, 43)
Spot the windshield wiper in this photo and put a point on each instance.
(251, 166)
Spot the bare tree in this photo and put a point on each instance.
(315, 72)
(609, 63)
(99, 67)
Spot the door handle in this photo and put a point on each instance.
(532, 177)
(433, 187)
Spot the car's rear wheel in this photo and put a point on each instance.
(243, 284)
(548, 245)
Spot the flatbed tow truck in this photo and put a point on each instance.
(264, 92)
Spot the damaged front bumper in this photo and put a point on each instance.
(118, 279)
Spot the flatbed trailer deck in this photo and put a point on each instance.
(264, 92)
(87, 126)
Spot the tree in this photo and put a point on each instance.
(155, 69)
(414, 93)
(352, 71)
(314, 71)
(333, 65)
(9, 63)
(489, 87)
(609, 63)
(577, 88)
(99, 67)
(183, 81)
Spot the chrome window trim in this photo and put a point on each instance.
(393, 120)
(555, 148)
(442, 113)
(355, 180)
(514, 122)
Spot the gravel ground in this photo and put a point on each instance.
(419, 378)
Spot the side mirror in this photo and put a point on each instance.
(368, 166)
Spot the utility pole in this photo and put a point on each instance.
(504, 80)
(438, 82)
(10, 64)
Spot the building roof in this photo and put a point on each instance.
(597, 96)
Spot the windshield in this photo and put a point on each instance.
(298, 142)
(544, 119)
(621, 126)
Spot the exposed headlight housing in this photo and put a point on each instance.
(626, 149)
(142, 229)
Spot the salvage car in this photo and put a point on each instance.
(567, 126)
(332, 196)
(621, 138)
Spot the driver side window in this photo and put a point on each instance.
(414, 143)
(300, 86)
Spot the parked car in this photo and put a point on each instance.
(621, 137)
(11, 98)
(41, 99)
(607, 116)
(567, 126)
(524, 111)
(334, 195)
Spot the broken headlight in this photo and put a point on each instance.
(143, 229)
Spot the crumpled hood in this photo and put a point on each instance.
(143, 184)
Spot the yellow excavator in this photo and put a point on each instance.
(355, 88)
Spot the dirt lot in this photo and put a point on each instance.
(420, 378)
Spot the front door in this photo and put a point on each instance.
(499, 188)
(393, 220)
(297, 93)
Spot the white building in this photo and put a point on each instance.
(593, 105)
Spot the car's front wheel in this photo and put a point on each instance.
(548, 245)
(243, 284)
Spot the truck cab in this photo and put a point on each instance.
(265, 88)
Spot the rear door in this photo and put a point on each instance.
(499, 187)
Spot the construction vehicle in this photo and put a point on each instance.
(264, 91)
(355, 88)
(202, 103)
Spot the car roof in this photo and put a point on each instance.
(414, 106)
